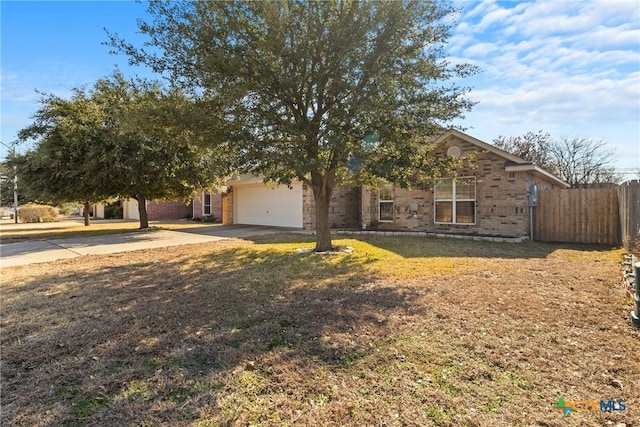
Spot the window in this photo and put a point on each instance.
(206, 205)
(385, 203)
(455, 201)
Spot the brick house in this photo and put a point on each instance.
(490, 196)
(206, 203)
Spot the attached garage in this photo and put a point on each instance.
(260, 204)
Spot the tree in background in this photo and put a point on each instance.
(532, 146)
(116, 141)
(7, 175)
(302, 90)
(66, 164)
(148, 157)
(581, 162)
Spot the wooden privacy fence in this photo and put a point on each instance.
(629, 201)
(582, 215)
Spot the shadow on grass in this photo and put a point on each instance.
(107, 345)
(72, 233)
(436, 247)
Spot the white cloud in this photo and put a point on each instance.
(480, 49)
(15, 89)
(22, 87)
(568, 67)
(608, 37)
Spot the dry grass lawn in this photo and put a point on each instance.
(15, 233)
(401, 332)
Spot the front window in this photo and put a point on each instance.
(455, 201)
(385, 202)
(206, 205)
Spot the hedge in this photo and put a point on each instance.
(37, 213)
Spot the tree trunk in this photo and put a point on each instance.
(142, 210)
(322, 190)
(87, 206)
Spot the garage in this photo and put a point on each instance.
(259, 204)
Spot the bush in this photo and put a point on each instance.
(113, 212)
(206, 218)
(37, 213)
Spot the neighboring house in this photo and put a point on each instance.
(205, 204)
(489, 196)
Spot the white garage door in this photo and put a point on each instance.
(263, 205)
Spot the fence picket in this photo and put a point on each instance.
(583, 215)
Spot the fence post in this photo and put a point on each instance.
(635, 315)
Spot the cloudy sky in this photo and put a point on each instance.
(570, 68)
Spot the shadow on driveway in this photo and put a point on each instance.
(239, 231)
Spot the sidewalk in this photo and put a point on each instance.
(17, 254)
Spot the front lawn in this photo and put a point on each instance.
(403, 331)
(66, 229)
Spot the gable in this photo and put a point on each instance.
(453, 134)
(512, 163)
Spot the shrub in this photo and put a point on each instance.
(113, 212)
(37, 213)
(206, 218)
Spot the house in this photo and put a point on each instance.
(207, 203)
(490, 196)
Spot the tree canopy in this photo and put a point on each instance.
(584, 162)
(294, 89)
(115, 141)
(532, 146)
(65, 165)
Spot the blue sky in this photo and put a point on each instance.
(570, 68)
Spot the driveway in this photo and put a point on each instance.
(15, 254)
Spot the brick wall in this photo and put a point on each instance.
(344, 208)
(227, 207)
(197, 205)
(501, 200)
(166, 209)
(216, 205)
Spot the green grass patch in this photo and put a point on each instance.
(437, 414)
(84, 408)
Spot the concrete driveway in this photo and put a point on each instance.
(15, 254)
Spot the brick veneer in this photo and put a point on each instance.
(344, 208)
(501, 199)
(216, 205)
(166, 209)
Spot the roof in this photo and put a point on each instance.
(513, 163)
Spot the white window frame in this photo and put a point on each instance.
(204, 203)
(454, 200)
(388, 189)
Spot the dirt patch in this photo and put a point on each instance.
(398, 332)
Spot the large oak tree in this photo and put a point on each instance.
(116, 140)
(151, 155)
(300, 90)
(66, 164)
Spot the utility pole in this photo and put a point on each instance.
(15, 183)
